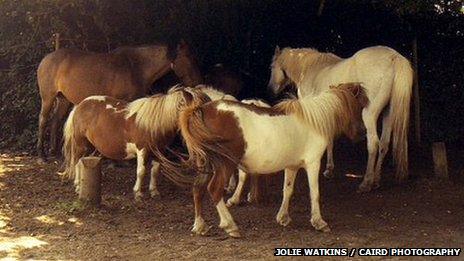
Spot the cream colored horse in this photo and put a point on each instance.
(387, 77)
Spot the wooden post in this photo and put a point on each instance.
(440, 163)
(57, 41)
(416, 92)
(89, 169)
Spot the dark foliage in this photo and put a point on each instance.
(241, 34)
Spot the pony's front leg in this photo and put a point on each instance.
(155, 166)
(235, 199)
(328, 173)
(313, 179)
(141, 154)
(283, 217)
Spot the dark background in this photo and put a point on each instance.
(240, 34)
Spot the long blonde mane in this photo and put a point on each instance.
(328, 114)
(157, 114)
(296, 62)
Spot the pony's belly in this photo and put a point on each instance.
(269, 159)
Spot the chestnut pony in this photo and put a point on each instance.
(122, 131)
(69, 76)
(223, 135)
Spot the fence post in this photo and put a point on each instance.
(440, 162)
(90, 180)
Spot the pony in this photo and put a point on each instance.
(223, 135)
(387, 77)
(121, 131)
(68, 76)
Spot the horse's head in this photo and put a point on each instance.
(185, 65)
(356, 100)
(279, 78)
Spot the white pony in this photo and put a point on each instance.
(223, 135)
(384, 73)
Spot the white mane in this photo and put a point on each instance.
(214, 94)
(297, 62)
(156, 114)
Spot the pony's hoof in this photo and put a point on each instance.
(155, 194)
(365, 187)
(201, 230)
(234, 234)
(283, 219)
(138, 196)
(41, 160)
(231, 202)
(325, 229)
(320, 225)
(328, 173)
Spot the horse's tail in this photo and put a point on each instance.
(69, 146)
(399, 109)
(195, 134)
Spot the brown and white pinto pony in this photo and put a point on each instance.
(223, 135)
(122, 131)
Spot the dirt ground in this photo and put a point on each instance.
(39, 218)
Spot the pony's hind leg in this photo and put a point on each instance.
(61, 109)
(216, 190)
(141, 155)
(232, 184)
(199, 226)
(235, 199)
(283, 217)
(312, 170)
(154, 172)
(328, 172)
(47, 104)
(383, 146)
(370, 121)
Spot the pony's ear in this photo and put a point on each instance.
(277, 50)
(188, 96)
(359, 93)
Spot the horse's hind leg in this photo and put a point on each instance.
(383, 146)
(216, 190)
(199, 226)
(47, 104)
(328, 172)
(61, 110)
(370, 121)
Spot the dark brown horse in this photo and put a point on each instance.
(68, 76)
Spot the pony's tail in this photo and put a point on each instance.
(69, 146)
(181, 173)
(400, 107)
